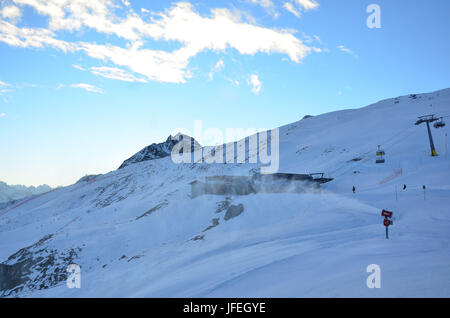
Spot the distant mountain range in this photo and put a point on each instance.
(16, 192)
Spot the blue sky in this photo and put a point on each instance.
(84, 85)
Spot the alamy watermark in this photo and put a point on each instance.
(259, 147)
(374, 19)
(74, 277)
(374, 279)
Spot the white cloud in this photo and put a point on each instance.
(268, 5)
(307, 4)
(232, 81)
(199, 33)
(346, 50)
(11, 12)
(263, 3)
(88, 88)
(155, 65)
(311, 39)
(5, 89)
(308, 39)
(290, 7)
(255, 83)
(219, 65)
(116, 73)
(97, 15)
(78, 67)
(217, 68)
(60, 86)
(28, 37)
(2, 114)
(297, 6)
(196, 33)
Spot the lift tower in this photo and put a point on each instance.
(428, 119)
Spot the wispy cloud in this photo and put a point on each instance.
(307, 4)
(290, 7)
(78, 67)
(29, 37)
(2, 114)
(268, 5)
(347, 50)
(180, 23)
(5, 88)
(4, 91)
(218, 67)
(88, 88)
(297, 6)
(255, 83)
(116, 73)
(263, 3)
(232, 81)
(318, 39)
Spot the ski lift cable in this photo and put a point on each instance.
(391, 142)
(364, 154)
(395, 142)
(367, 159)
(387, 144)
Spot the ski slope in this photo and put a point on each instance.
(136, 232)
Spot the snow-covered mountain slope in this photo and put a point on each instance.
(16, 192)
(137, 231)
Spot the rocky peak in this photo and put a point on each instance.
(160, 150)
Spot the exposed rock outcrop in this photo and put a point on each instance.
(161, 150)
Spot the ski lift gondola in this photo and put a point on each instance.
(440, 123)
(380, 155)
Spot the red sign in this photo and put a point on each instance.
(387, 222)
(387, 214)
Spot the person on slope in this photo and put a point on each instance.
(404, 187)
(354, 189)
